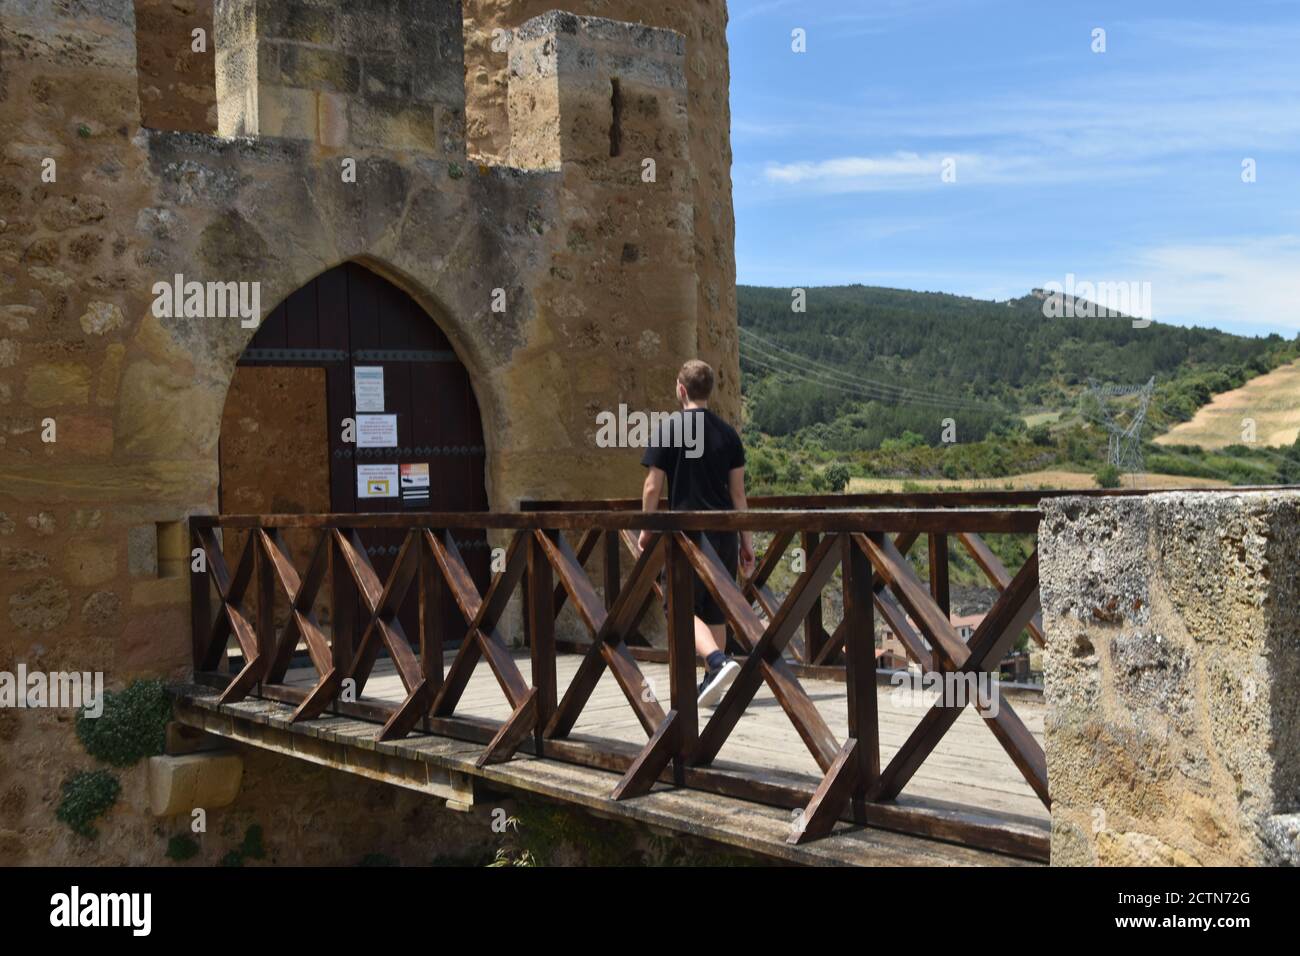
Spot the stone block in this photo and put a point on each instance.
(317, 69)
(288, 112)
(181, 784)
(62, 383)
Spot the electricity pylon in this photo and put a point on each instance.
(1124, 445)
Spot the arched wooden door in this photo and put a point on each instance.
(351, 345)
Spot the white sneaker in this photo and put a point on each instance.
(716, 686)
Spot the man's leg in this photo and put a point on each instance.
(709, 638)
(711, 629)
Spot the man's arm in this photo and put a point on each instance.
(651, 492)
(736, 481)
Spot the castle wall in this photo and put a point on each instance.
(598, 269)
(1170, 677)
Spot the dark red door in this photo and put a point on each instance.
(350, 318)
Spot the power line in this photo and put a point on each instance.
(831, 372)
(793, 363)
(840, 387)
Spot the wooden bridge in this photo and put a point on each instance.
(812, 755)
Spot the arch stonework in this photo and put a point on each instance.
(598, 267)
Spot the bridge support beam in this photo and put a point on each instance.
(1172, 678)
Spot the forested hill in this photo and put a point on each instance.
(891, 359)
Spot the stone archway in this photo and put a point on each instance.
(283, 446)
(349, 398)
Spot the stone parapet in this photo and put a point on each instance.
(1172, 678)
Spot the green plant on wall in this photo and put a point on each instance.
(182, 847)
(133, 724)
(87, 796)
(251, 849)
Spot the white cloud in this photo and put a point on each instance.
(1249, 283)
(902, 170)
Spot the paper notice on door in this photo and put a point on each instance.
(368, 387)
(415, 483)
(377, 481)
(376, 431)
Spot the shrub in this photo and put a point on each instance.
(182, 847)
(86, 797)
(1107, 476)
(837, 477)
(133, 724)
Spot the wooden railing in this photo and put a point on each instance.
(544, 558)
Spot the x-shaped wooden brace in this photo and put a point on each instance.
(856, 774)
(893, 615)
(609, 629)
(1015, 607)
(764, 662)
(231, 618)
(380, 602)
(302, 621)
(1000, 577)
(481, 613)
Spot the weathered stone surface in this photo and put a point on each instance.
(64, 383)
(41, 605)
(1173, 727)
(100, 609)
(178, 784)
(90, 562)
(102, 317)
(142, 551)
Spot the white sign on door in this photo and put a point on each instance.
(376, 431)
(377, 481)
(368, 387)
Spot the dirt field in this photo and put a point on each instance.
(1272, 400)
(1038, 479)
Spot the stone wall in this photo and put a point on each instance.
(598, 267)
(703, 24)
(1172, 678)
(177, 69)
(343, 74)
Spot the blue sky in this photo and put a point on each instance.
(1122, 166)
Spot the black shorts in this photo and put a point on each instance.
(727, 544)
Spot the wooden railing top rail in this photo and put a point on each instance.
(918, 520)
(1019, 498)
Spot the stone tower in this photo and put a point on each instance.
(498, 155)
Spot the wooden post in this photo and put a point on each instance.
(433, 591)
(540, 590)
(200, 604)
(860, 674)
(344, 599)
(939, 571)
(680, 580)
(265, 604)
(613, 549)
(814, 632)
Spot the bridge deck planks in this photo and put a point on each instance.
(749, 826)
(968, 768)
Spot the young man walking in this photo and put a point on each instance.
(704, 472)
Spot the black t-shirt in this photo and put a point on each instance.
(697, 482)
